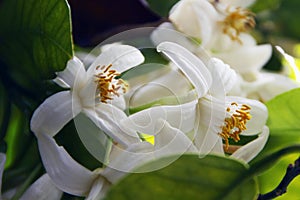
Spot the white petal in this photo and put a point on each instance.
(200, 13)
(2, 163)
(189, 64)
(278, 84)
(169, 141)
(54, 113)
(173, 84)
(224, 78)
(99, 189)
(210, 119)
(42, 189)
(250, 150)
(65, 172)
(166, 32)
(122, 58)
(238, 3)
(258, 112)
(107, 117)
(247, 58)
(74, 70)
(179, 116)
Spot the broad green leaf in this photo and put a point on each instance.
(161, 7)
(189, 177)
(283, 121)
(35, 40)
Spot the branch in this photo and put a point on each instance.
(291, 172)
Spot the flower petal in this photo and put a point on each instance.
(65, 172)
(276, 85)
(238, 3)
(107, 117)
(74, 70)
(224, 78)
(210, 119)
(122, 58)
(54, 113)
(189, 64)
(166, 32)
(258, 112)
(179, 116)
(247, 58)
(42, 189)
(173, 84)
(99, 189)
(201, 14)
(250, 150)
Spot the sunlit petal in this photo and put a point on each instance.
(99, 189)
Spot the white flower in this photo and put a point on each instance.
(93, 92)
(220, 28)
(210, 110)
(217, 116)
(41, 189)
(73, 178)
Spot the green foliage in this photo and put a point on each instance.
(284, 115)
(161, 7)
(35, 38)
(189, 177)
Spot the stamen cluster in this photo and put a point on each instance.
(236, 123)
(108, 85)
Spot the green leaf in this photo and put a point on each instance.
(35, 40)
(161, 7)
(189, 177)
(283, 121)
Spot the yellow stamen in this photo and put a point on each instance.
(237, 21)
(107, 84)
(235, 124)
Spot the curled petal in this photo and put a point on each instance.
(166, 32)
(74, 70)
(54, 113)
(238, 3)
(250, 150)
(189, 64)
(42, 189)
(122, 58)
(64, 171)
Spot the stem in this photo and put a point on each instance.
(292, 172)
(27, 182)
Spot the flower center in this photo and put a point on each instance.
(237, 21)
(236, 123)
(108, 85)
